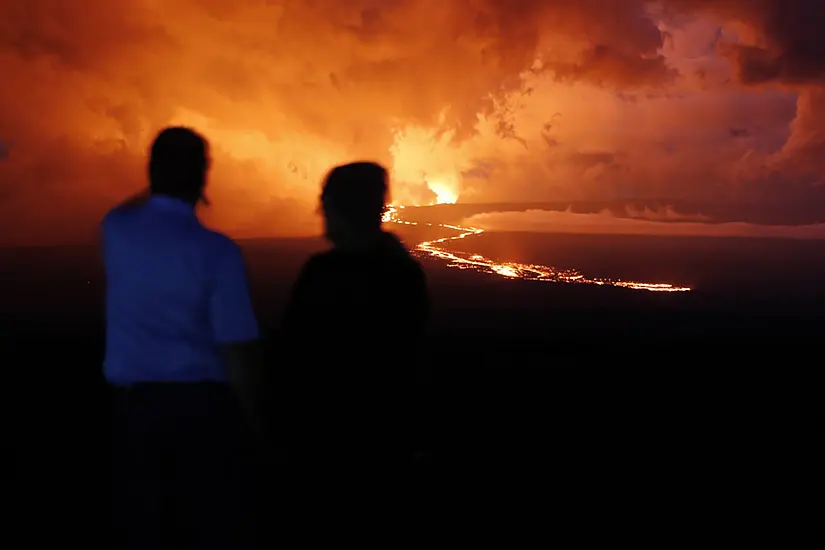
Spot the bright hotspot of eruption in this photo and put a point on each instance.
(438, 249)
(443, 193)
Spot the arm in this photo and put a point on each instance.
(235, 329)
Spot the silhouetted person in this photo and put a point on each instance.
(179, 329)
(356, 317)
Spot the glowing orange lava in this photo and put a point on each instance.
(511, 270)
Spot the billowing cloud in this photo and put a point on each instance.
(768, 40)
(482, 100)
(772, 43)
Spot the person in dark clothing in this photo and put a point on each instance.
(357, 314)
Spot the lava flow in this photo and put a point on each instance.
(438, 249)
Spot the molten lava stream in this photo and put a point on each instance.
(438, 249)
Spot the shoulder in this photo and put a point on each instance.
(319, 263)
(417, 270)
(128, 208)
(323, 259)
(221, 247)
(219, 241)
(410, 279)
(115, 216)
(415, 275)
(411, 269)
(319, 269)
(117, 221)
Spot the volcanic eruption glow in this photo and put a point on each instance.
(443, 193)
(438, 248)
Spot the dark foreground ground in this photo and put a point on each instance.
(578, 410)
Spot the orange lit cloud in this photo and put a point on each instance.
(472, 101)
(606, 223)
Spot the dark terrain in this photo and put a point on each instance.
(663, 412)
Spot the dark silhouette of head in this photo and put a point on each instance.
(178, 164)
(353, 201)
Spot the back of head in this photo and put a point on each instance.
(357, 192)
(178, 163)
